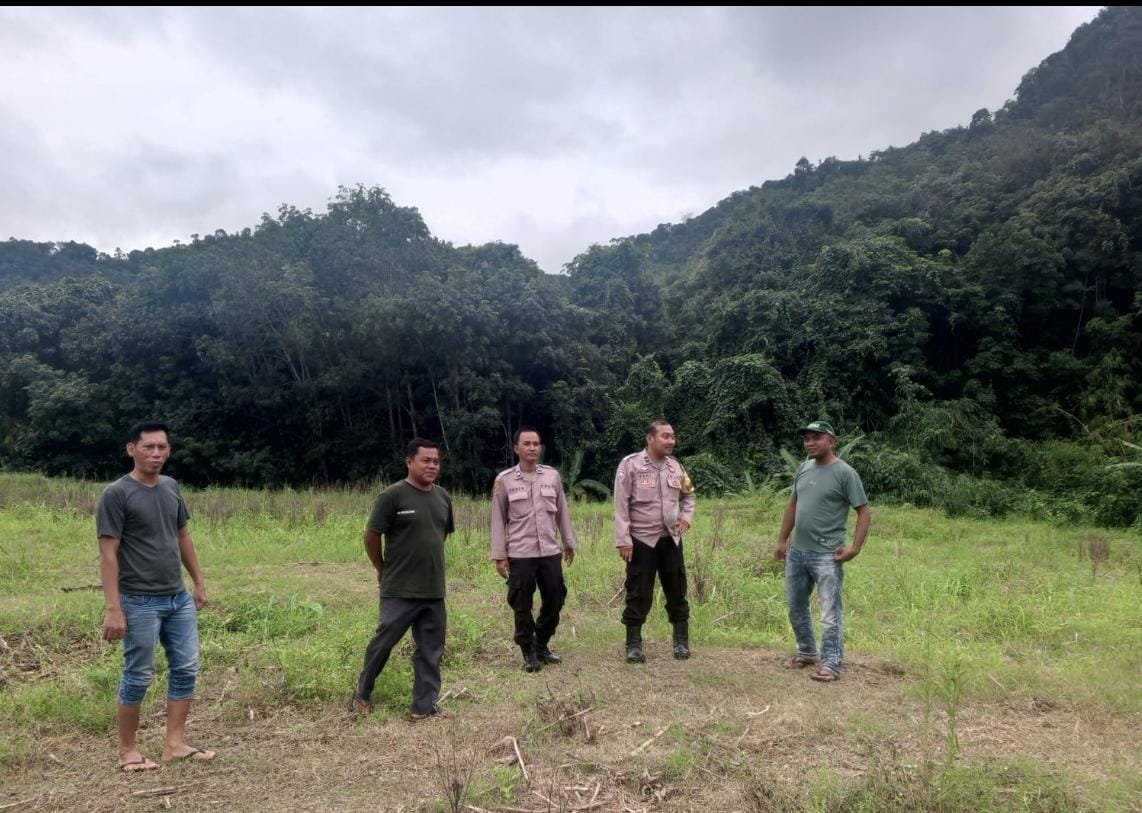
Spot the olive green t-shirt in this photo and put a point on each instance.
(414, 524)
(824, 496)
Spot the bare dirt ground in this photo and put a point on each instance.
(729, 730)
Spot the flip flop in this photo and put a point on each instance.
(824, 675)
(137, 765)
(195, 755)
(800, 662)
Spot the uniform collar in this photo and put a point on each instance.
(648, 461)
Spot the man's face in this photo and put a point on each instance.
(817, 444)
(661, 443)
(425, 467)
(527, 447)
(150, 452)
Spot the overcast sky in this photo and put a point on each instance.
(552, 129)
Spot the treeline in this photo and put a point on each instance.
(969, 306)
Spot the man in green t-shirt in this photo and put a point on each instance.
(824, 489)
(413, 517)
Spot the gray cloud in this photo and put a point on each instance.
(553, 128)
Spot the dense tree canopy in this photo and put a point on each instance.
(958, 298)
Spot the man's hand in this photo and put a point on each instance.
(502, 568)
(568, 555)
(681, 526)
(626, 551)
(844, 554)
(114, 624)
(199, 595)
(781, 550)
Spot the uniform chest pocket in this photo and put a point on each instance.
(645, 487)
(519, 502)
(549, 498)
(674, 482)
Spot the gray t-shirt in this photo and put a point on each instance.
(146, 521)
(824, 496)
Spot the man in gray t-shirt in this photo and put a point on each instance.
(144, 543)
(825, 488)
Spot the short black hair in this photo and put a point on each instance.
(147, 426)
(521, 430)
(652, 427)
(416, 444)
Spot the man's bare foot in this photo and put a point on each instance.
(133, 762)
(187, 752)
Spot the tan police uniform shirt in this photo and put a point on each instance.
(650, 499)
(526, 513)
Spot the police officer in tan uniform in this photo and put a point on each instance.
(527, 507)
(654, 503)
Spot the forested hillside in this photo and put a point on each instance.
(967, 308)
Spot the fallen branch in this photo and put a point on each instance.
(160, 791)
(519, 756)
(638, 750)
(82, 587)
(616, 595)
(757, 713)
(17, 804)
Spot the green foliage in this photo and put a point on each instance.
(579, 488)
(712, 478)
(953, 298)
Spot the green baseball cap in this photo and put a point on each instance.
(819, 426)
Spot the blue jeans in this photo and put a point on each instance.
(171, 619)
(803, 569)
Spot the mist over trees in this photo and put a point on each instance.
(967, 306)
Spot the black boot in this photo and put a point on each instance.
(530, 661)
(681, 640)
(634, 645)
(545, 654)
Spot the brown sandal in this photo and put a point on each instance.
(800, 662)
(359, 705)
(824, 675)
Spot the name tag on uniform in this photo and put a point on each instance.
(645, 481)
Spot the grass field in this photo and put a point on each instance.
(989, 666)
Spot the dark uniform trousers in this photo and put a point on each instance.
(428, 620)
(523, 577)
(665, 559)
